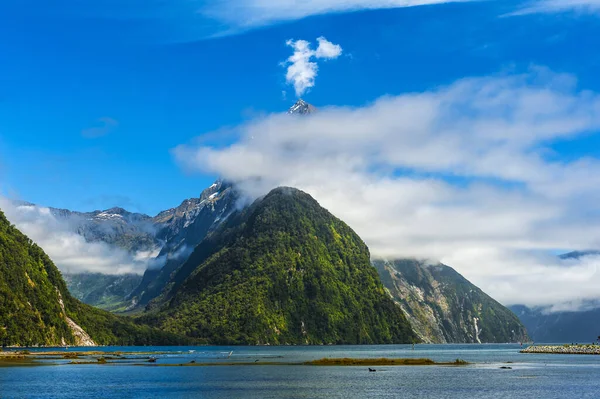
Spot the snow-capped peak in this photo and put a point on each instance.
(301, 108)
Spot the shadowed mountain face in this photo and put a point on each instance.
(442, 306)
(549, 326)
(283, 271)
(182, 229)
(560, 327)
(102, 290)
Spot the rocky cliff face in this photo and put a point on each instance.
(444, 307)
(182, 229)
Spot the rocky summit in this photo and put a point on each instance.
(301, 107)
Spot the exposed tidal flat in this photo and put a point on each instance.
(282, 372)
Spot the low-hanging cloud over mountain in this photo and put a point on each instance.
(465, 174)
(70, 251)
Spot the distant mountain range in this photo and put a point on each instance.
(169, 237)
(130, 231)
(549, 326)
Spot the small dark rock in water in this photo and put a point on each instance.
(152, 360)
(506, 368)
(372, 370)
(193, 361)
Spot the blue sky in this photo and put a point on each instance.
(165, 74)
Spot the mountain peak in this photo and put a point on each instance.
(301, 107)
(117, 210)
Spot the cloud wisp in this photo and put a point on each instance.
(554, 6)
(244, 14)
(301, 66)
(68, 250)
(463, 174)
(103, 126)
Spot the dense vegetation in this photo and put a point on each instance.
(282, 271)
(31, 288)
(108, 292)
(30, 312)
(108, 329)
(443, 306)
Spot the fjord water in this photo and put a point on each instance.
(531, 376)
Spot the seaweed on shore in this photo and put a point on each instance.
(381, 362)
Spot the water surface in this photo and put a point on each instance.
(532, 375)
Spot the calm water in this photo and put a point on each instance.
(532, 376)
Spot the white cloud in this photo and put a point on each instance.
(69, 251)
(463, 174)
(252, 13)
(551, 6)
(327, 50)
(301, 69)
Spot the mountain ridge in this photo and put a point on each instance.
(282, 271)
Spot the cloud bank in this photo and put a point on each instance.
(465, 174)
(69, 251)
(301, 69)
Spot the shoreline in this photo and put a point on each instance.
(563, 349)
(150, 359)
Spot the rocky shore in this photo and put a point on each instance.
(564, 349)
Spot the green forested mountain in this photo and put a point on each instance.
(282, 271)
(37, 309)
(443, 306)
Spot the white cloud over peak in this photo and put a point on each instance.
(252, 13)
(464, 174)
(301, 67)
